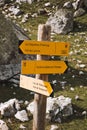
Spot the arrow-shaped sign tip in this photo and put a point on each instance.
(19, 46)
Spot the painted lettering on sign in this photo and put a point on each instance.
(44, 47)
(43, 67)
(36, 85)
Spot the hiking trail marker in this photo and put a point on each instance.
(44, 47)
(43, 67)
(36, 85)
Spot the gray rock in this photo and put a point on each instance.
(15, 11)
(25, 18)
(9, 108)
(22, 115)
(68, 5)
(79, 12)
(10, 59)
(79, 4)
(7, 71)
(56, 108)
(61, 22)
(75, 4)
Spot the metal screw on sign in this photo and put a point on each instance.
(24, 64)
(66, 46)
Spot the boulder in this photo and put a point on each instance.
(79, 12)
(10, 59)
(61, 22)
(56, 109)
(9, 108)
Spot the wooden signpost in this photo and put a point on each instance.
(41, 67)
(36, 85)
(44, 47)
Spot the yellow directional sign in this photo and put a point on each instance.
(36, 85)
(43, 67)
(44, 47)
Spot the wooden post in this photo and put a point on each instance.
(40, 100)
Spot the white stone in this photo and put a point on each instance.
(72, 89)
(81, 72)
(22, 115)
(10, 107)
(54, 127)
(75, 4)
(76, 40)
(47, 4)
(26, 102)
(34, 15)
(71, 52)
(85, 53)
(63, 101)
(22, 127)
(82, 65)
(14, 93)
(24, 20)
(30, 1)
(79, 61)
(68, 4)
(79, 12)
(19, 1)
(31, 107)
(81, 86)
(84, 113)
(61, 22)
(54, 81)
(73, 76)
(9, 121)
(15, 11)
(3, 125)
(55, 105)
(76, 97)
